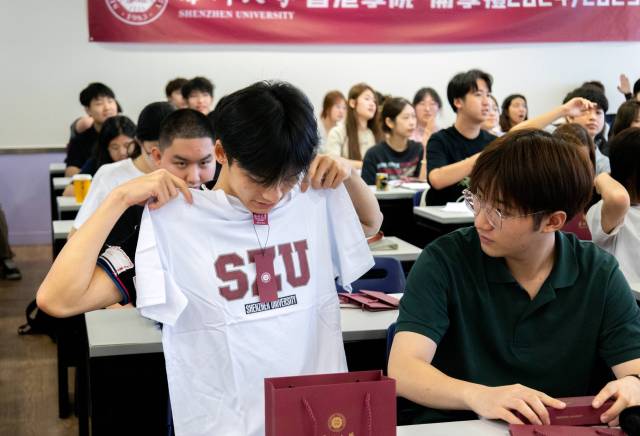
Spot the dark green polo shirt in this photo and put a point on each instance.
(489, 331)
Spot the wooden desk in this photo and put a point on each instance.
(57, 168)
(60, 183)
(67, 207)
(440, 216)
(405, 252)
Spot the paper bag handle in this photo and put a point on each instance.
(367, 405)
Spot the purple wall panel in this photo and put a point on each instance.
(24, 196)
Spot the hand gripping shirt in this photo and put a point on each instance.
(196, 274)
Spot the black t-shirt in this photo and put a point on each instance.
(381, 158)
(118, 254)
(80, 147)
(447, 147)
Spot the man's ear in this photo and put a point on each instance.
(457, 102)
(156, 155)
(555, 221)
(221, 156)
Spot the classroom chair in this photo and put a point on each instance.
(386, 276)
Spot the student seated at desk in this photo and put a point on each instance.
(508, 314)
(427, 104)
(453, 151)
(99, 102)
(359, 132)
(224, 331)
(109, 176)
(397, 156)
(173, 91)
(115, 144)
(615, 220)
(198, 93)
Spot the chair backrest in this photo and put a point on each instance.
(386, 276)
(417, 198)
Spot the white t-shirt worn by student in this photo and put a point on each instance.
(196, 274)
(107, 178)
(623, 242)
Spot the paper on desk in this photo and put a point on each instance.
(416, 186)
(457, 208)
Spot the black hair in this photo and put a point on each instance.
(627, 114)
(591, 93)
(594, 84)
(423, 92)
(112, 128)
(198, 83)
(636, 88)
(93, 91)
(150, 120)
(269, 129)
(183, 124)
(391, 108)
(174, 85)
(463, 83)
(624, 156)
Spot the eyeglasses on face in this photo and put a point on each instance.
(494, 216)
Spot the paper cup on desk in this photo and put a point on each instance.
(81, 183)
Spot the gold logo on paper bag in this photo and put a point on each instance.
(337, 422)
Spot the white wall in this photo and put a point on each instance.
(46, 60)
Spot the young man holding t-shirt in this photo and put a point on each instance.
(248, 267)
(452, 152)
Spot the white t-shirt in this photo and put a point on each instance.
(623, 242)
(337, 141)
(107, 178)
(195, 275)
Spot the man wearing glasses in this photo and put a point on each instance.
(510, 314)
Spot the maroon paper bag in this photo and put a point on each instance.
(347, 404)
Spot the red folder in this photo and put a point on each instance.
(562, 430)
(371, 300)
(349, 404)
(578, 412)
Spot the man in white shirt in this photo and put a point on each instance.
(258, 176)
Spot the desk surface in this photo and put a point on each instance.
(57, 168)
(62, 228)
(439, 215)
(59, 183)
(67, 204)
(480, 427)
(404, 253)
(112, 332)
(394, 193)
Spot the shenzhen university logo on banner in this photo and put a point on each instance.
(137, 12)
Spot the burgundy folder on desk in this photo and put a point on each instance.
(371, 300)
(578, 412)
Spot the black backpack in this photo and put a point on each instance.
(38, 322)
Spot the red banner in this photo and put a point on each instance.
(363, 21)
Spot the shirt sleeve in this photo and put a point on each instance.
(423, 307)
(436, 155)
(335, 141)
(618, 341)
(159, 297)
(349, 249)
(117, 257)
(369, 168)
(96, 195)
(606, 241)
(602, 163)
(74, 158)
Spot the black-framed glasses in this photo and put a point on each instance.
(494, 216)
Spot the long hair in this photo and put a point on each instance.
(331, 99)
(112, 128)
(351, 123)
(505, 121)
